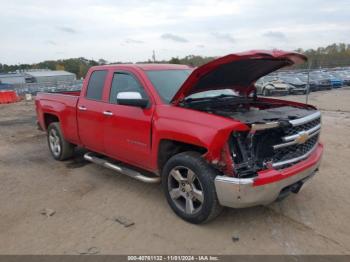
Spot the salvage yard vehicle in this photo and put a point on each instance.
(313, 84)
(343, 78)
(203, 133)
(322, 82)
(298, 86)
(336, 81)
(271, 85)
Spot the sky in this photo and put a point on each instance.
(129, 30)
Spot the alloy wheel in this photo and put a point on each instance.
(55, 143)
(185, 190)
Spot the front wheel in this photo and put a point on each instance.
(59, 147)
(188, 184)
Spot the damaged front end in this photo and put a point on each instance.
(269, 161)
(274, 145)
(278, 133)
(271, 145)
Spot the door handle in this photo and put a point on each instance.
(107, 113)
(82, 108)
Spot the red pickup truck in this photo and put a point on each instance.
(203, 133)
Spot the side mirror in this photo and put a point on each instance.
(131, 99)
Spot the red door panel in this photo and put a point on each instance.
(127, 129)
(90, 123)
(128, 134)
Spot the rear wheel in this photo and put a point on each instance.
(59, 147)
(188, 184)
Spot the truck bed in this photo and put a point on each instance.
(72, 93)
(62, 105)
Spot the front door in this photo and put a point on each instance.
(127, 128)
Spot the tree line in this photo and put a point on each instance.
(79, 66)
(334, 55)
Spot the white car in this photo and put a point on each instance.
(270, 85)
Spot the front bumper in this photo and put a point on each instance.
(298, 90)
(321, 88)
(268, 185)
(279, 92)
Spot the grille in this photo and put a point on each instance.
(296, 129)
(294, 151)
(300, 86)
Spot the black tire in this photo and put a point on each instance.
(60, 149)
(208, 208)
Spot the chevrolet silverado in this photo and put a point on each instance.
(203, 132)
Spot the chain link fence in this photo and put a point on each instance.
(34, 88)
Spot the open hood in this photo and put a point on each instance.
(236, 71)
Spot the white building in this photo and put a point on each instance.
(49, 76)
(12, 78)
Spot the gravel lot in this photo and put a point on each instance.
(87, 198)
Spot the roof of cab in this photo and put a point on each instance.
(147, 67)
(162, 66)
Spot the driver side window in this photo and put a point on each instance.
(124, 82)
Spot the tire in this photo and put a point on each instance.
(60, 148)
(194, 200)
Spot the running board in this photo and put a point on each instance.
(121, 169)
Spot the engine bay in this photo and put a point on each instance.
(256, 150)
(251, 111)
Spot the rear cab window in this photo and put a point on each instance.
(96, 84)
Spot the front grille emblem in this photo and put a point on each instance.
(302, 138)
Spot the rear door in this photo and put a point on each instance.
(90, 112)
(128, 128)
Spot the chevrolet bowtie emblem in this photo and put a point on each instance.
(302, 138)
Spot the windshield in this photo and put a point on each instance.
(316, 76)
(302, 77)
(334, 74)
(168, 82)
(214, 93)
(291, 78)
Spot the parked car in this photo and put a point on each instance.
(199, 132)
(298, 86)
(335, 81)
(323, 82)
(345, 78)
(314, 84)
(271, 85)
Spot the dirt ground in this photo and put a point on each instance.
(87, 198)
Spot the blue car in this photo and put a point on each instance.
(335, 80)
(343, 75)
